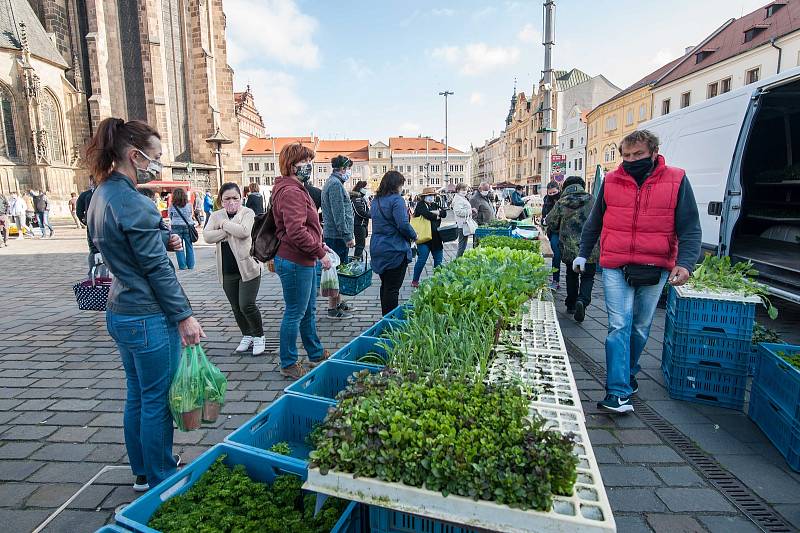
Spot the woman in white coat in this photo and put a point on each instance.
(229, 228)
(463, 212)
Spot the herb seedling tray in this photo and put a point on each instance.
(542, 337)
(540, 311)
(587, 510)
(383, 325)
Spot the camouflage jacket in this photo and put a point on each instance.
(567, 219)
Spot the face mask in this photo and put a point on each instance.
(232, 206)
(304, 171)
(462, 193)
(640, 168)
(151, 172)
(346, 175)
(429, 199)
(484, 193)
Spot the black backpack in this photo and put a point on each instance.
(40, 203)
(265, 241)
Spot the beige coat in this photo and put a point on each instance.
(236, 232)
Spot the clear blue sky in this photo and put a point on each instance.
(358, 69)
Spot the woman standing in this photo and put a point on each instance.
(429, 209)
(255, 200)
(358, 197)
(392, 236)
(463, 211)
(148, 313)
(298, 229)
(229, 228)
(180, 217)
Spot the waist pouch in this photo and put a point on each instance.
(642, 275)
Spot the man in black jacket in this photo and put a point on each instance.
(361, 217)
(255, 200)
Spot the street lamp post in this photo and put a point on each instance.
(217, 140)
(446, 147)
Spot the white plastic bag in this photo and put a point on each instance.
(329, 281)
(469, 227)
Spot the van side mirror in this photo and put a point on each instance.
(715, 209)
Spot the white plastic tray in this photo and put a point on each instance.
(539, 311)
(688, 292)
(542, 337)
(587, 510)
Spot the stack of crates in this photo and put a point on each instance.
(706, 346)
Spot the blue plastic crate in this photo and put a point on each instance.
(289, 419)
(778, 379)
(715, 350)
(383, 520)
(359, 347)
(700, 384)
(752, 360)
(112, 528)
(399, 313)
(382, 325)
(327, 379)
(352, 285)
(777, 425)
(259, 467)
(480, 233)
(701, 315)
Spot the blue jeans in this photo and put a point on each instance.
(300, 316)
(556, 263)
(423, 251)
(185, 257)
(43, 221)
(630, 315)
(339, 247)
(150, 348)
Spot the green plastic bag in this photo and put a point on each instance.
(214, 386)
(187, 391)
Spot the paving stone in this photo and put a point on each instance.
(727, 524)
(605, 455)
(790, 513)
(18, 450)
(628, 476)
(72, 434)
(71, 419)
(18, 470)
(22, 520)
(767, 480)
(111, 435)
(65, 472)
(72, 521)
(92, 497)
(108, 454)
(678, 476)
(28, 432)
(602, 436)
(75, 405)
(35, 405)
(13, 494)
(637, 436)
(118, 496)
(682, 500)
(648, 454)
(52, 495)
(64, 452)
(713, 439)
(107, 419)
(673, 523)
(634, 500)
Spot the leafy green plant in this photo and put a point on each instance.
(372, 358)
(501, 241)
(793, 358)
(454, 436)
(282, 448)
(717, 274)
(497, 223)
(228, 500)
(764, 334)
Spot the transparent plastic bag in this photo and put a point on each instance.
(329, 281)
(186, 391)
(214, 386)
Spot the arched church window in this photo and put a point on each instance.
(8, 139)
(51, 123)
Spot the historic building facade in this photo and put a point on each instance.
(422, 162)
(250, 122)
(43, 111)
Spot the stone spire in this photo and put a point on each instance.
(513, 107)
(76, 73)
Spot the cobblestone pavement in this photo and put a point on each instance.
(62, 391)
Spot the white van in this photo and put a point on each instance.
(741, 153)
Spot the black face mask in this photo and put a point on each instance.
(640, 168)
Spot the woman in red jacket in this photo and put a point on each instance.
(300, 234)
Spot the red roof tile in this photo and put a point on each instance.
(730, 41)
(419, 144)
(357, 150)
(647, 80)
(264, 146)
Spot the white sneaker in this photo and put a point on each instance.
(247, 341)
(258, 345)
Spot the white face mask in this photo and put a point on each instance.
(462, 193)
(429, 199)
(484, 193)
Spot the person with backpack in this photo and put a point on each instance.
(230, 229)
(180, 216)
(255, 200)
(41, 206)
(358, 198)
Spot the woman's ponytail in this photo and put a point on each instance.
(112, 138)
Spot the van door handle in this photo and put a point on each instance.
(715, 209)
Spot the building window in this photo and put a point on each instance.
(611, 123)
(725, 86)
(771, 9)
(8, 140)
(380, 155)
(580, 163)
(629, 117)
(751, 34)
(51, 122)
(421, 181)
(385, 169)
(571, 144)
(422, 168)
(665, 107)
(752, 75)
(686, 99)
(642, 113)
(408, 168)
(713, 90)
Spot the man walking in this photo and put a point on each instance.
(647, 221)
(481, 203)
(208, 206)
(18, 209)
(41, 206)
(73, 200)
(337, 212)
(567, 218)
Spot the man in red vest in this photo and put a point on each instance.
(649, 229)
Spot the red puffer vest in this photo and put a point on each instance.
(639, 222)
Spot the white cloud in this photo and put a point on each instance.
(276, 91)
(529, 34)
(476, 98)
(477, 58)
(410, 127)
(271, 29)
(443, 12)
(358, 69)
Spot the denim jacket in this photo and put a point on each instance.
(127, 229)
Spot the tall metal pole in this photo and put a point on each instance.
(446, 147)
(547, 106)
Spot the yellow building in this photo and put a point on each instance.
(611, 121)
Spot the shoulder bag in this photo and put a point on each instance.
(265, 239)
(193, 235)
